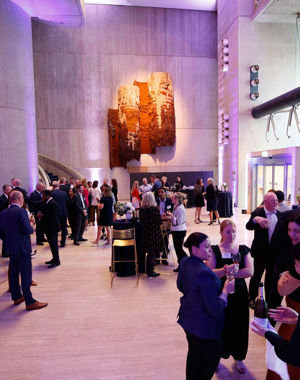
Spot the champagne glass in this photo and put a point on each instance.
(230, 276)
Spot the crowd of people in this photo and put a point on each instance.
(214, 307)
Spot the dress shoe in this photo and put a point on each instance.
(62, 244)
(36, 305)
(40, 243)
(102, 237)
(34, 252)
(45, 241)
(19, 300)
(176, 270)
(210, 224)
(165, 262)
(76, 243)
(53, 265)
(83, 239)
(33, 283)
(153, 274)
(49, 262)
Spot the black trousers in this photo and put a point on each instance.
(261, 263)
(53, 244)
(63, 227)
(178, 238)
(203, 357)
(4, 249)
(20, 264)
(39, 231)
(79, 226)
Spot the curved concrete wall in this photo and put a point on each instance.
(17, 99)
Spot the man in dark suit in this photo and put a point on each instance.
(263, 221)
(17, 186)
(16, 228)
(61, 199)
(80, 214)
(49, 215)
(4, 205)
(35, 204)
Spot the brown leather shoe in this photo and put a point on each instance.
(36, 305)
(19, 300)
(33, 283)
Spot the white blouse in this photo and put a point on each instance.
(178, 218)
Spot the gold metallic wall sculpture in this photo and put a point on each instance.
(144, 120)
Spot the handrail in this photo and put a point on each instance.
(57, 168)
(44, 176)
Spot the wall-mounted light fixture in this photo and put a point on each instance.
(225, 54)
(224, 129)
(254, 81)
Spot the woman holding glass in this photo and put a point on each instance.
(232, 260)
(202, 305)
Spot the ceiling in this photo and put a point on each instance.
(278, 11)
(64, 12)
(202, 5)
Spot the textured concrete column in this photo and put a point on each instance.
(17, 100)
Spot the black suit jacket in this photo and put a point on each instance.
(78, 204)
(3, 202)
(260, 244)
(62, 200)
(23, 191)
(168, 205)
(35, 202)
(50, 218)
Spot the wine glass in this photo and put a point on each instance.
(236, 258)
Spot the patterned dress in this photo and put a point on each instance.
(151, 234)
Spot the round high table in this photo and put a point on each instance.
(225, 204)
(128, 269)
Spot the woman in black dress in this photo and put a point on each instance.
(212, 200)
(150, 229)
(234, 336)
(106, 215)
(199, 189)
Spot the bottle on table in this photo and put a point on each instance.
(261, 308)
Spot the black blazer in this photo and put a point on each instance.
(3, 202)
(61, 198)
(35, 202)
(167, 204)
(50, 218)
(23, 191)
(260, 244)
(78, 209)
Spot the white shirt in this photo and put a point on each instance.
(95, 194)
(272, 218)
(145, 188)
(179, 218)
(162, 206)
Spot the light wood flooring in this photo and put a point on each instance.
(92, 331)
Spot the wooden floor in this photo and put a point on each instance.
(91, 331)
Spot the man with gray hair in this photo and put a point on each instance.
(15, 228)
(263, 221)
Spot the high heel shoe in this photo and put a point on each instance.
(210, 223)
(96, 242)
(196, 221)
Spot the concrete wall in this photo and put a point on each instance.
(272, 47)
(78, 72)
(17, 97)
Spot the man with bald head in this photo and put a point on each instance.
(15, 228)
(263, 221)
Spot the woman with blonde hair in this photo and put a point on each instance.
(106, 214)
(178, 226)
(212, 200)
(230, 258)
(150, 231)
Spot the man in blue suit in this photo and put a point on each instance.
(16, 228)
